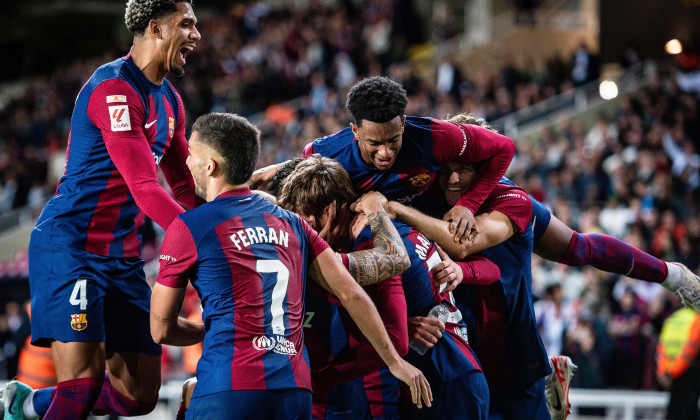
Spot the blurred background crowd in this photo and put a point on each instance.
(632, 174)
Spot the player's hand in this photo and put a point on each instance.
(336, 233)
(390, 209)
(420, 388)
(462, 224)
(360, 223)
(263, 175)
(424, 330)
(369, 202)
(448, 272)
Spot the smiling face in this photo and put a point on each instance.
(379, 143)
(179, 37)
(455, 179)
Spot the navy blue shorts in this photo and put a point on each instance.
(79, 296)
(541, 217)
(529, 404)
(345, 402)
(465, 397)
(281, 404)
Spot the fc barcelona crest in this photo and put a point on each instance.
(420, 180)
(171, 126)
(78, 321)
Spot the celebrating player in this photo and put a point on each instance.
(384, 150)
(248, 259)
(460, 387)
(555, 241)
(89, 293)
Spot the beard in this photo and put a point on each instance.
(178, 71)
(200, 188)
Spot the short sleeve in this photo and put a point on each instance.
(511, 201)
(178, 255)
(308, 150)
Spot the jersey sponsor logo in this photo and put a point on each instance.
(116, 98)
(78, 321)
(167, 258)
(119, 117)
(277, 344)
(409, 198)
(420, 180)
(171, 126)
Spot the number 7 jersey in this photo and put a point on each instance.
(248, 260)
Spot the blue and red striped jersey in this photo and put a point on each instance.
(248, 260)
(427, 144)
(452, 356)
(507, 342)
(123, 126)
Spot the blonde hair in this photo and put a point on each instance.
(314, 184)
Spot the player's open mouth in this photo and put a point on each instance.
(184, 51)
(383, 163)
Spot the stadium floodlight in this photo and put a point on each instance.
(674, 46)
(608, 90)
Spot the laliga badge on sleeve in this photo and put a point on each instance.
(119, 117)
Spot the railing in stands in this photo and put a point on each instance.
(582, 99)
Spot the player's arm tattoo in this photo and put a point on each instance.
(387, 259)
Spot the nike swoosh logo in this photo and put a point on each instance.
(557, 406)
(9, 409)
(150, 124)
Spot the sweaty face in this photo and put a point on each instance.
(455, 179)
(196, 162)
(379, 143)
(180, 36)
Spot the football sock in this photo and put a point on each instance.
(613, 255)
(74, 399)
(38, 402)
(111, 401)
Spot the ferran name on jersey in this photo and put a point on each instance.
(259, 235)
(78, 321)
(277, 344)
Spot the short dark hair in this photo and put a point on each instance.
(235, 139)
(277, 182)
(377, 99)
(140, 12)
(316, 183)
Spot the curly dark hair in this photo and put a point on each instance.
(275, 185)
(377, 99)
(235, 139)
(140, 12)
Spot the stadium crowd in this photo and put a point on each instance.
(633, 175)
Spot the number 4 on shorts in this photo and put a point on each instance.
(79, 294)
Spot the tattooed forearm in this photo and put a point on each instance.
(387, 259)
